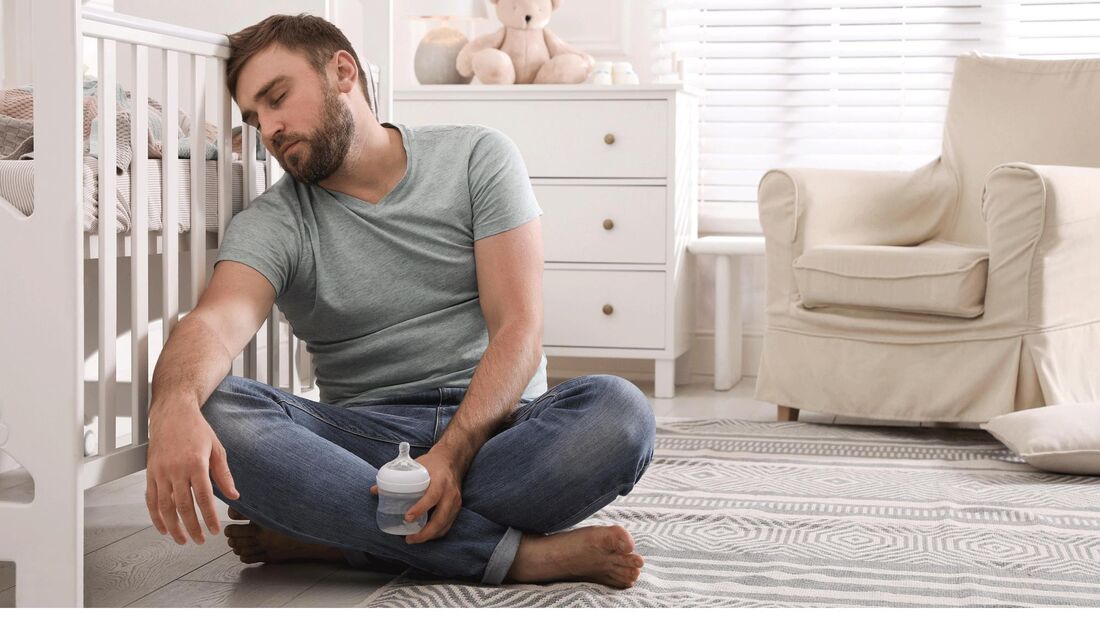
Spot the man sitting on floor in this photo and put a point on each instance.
(409, 259)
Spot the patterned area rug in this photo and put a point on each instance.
(736, 513)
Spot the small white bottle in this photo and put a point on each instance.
(401, 483)
(601, 73)
(622, 74)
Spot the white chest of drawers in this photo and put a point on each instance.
(615, 172)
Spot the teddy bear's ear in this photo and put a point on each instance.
(554, 4)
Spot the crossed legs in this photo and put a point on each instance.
(304, 470)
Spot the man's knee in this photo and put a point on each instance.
(626, 416)
(233, 395)
(223, 396)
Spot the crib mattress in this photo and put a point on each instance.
(17, 187)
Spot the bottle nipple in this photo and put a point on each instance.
(403, 474)
(403, 461)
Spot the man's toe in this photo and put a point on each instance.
(241, 530)
(252, 557)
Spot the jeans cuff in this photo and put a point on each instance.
(502, 558)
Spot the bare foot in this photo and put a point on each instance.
(603, 555)
(254, 544)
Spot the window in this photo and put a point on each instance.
(840, 83)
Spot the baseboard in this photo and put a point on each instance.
(702, 360)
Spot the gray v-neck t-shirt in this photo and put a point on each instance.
(385, 295)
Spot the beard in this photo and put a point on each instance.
(321, 154)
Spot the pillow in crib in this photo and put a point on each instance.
(1062, 439)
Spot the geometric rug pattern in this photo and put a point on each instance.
(744, 514)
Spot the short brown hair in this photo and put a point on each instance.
(313, 36)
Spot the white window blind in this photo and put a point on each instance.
(838, 83)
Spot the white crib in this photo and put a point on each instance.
(46, 401)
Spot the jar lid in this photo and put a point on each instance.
(403, 474)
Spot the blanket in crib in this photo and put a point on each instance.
(17, 126)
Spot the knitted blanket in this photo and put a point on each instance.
(17, 126)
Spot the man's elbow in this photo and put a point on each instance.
(526, 335)
(536, 347)
(533, 338)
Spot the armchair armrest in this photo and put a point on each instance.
(1044, 261)
(804, 208)
(856, 207)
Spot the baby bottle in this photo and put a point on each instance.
(401, 483)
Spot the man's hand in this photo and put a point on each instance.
(183, 449)
(444, 494)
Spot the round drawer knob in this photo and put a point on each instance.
(609, 138)
(608, 310)
(608, 224)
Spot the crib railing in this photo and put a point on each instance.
(162, 48)
(62, 295)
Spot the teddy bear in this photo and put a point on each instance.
(523, 51)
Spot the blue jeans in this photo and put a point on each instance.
(305, 468)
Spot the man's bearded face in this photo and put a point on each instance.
(313, 158)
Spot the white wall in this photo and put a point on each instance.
(215, 15)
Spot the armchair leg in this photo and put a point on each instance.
(786, 413)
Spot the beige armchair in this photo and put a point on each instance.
(960, 291)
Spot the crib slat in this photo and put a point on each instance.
(274, 170)
(107, 247)
(225, 164)
(274, 323)
(248, 194)
(139, 257)
(169, 196)
(251, 355)
(198, 179)
(305, 362)
(291, 354)
(225, 152)
(273, 174)
(249, 164)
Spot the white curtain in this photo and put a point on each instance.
(838, 83)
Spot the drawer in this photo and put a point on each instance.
(566, 138)
(603, 224)
(613, 309)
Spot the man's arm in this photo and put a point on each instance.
(183, 449)
(509, 280)
(509, 276)
(201, 349)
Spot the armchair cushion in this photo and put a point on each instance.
(935, 277)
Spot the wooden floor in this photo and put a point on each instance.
(128, 563)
